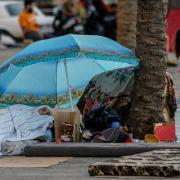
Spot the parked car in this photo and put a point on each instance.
(9, 13)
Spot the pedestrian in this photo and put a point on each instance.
(28, 23)
(101, 19)
(67, 20)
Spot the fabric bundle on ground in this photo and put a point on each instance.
(106, 99)
(21, 123)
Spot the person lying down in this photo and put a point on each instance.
(21, 122)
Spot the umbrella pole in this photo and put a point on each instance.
(68, 85)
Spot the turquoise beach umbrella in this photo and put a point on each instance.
(56, 71)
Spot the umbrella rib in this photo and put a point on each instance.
(77, 43)
(99, 65)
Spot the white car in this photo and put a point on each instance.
(9, 14)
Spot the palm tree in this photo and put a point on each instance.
(148, 101)
(126, 23)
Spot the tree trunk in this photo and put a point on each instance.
(148, 99)
(126, 23)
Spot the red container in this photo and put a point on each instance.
(166, 133)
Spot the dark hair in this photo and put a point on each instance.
(27, 2)
(68, 5)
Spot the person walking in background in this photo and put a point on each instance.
(67, 20)
(28, 23)
(110, 23)
(101, 18)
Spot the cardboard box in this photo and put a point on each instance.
(67, 116)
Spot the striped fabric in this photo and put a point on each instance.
(20, 122)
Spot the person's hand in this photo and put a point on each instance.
(44, 111)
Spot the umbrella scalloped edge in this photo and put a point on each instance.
(72, 53)
(32, 100)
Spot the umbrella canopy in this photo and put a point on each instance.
(107, 88)
(45, 71)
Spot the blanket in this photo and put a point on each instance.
(20, 122)
(10, 148)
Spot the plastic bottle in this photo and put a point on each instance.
(177, 125)
(115, 124)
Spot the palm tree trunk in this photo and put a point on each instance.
(148, 100)
(126, 23)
